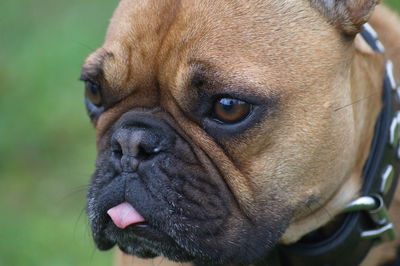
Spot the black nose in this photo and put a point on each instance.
(139, 139)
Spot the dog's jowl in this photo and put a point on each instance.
(246, 132)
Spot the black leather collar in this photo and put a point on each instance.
(365, 222)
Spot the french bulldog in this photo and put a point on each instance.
(226, 127)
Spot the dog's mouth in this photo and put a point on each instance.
(134, 235)
(141, 239)
(125, 214)
(115, 221)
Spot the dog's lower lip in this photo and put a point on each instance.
(142, 225)
(142, 228)
(147, 231)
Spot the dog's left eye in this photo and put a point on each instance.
(230, 111)
(92, 92)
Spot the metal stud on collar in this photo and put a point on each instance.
(394, 132)
(380, 46)
(387, 179)
(370, 30)
(374, 35)
(389, 71)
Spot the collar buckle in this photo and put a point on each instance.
(381, 228)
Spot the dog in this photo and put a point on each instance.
(226, 129)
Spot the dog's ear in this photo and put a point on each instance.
(347, 15)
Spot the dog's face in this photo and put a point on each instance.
(216, 122)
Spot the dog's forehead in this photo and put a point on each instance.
(153, 43)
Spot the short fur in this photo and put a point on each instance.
(285, 173)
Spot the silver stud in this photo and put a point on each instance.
(398, 94)
(389, 71)
(370, 30)
(387, 179)
(394, 131)
(380, 46)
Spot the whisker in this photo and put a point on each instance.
(78, 219)
(357, 101)
(74, 191)
(85, 46)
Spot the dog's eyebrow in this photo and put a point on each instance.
(208, 79)
(93, 74)
(199, 73)
(93, 68)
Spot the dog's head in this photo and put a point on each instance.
(216, 124)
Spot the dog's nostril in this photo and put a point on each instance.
(116, 150)
(146, 152)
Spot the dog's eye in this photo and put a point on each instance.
(230, 111)
(92, 92)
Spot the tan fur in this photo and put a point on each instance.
(153, 45)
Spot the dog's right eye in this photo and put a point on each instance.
(92, 92)
(93, 99)
(230, 111)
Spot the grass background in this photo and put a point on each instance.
(47, 147)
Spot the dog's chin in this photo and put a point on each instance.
(144, 241)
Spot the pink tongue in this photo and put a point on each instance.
(124, 215)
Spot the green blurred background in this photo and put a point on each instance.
(47, 147)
